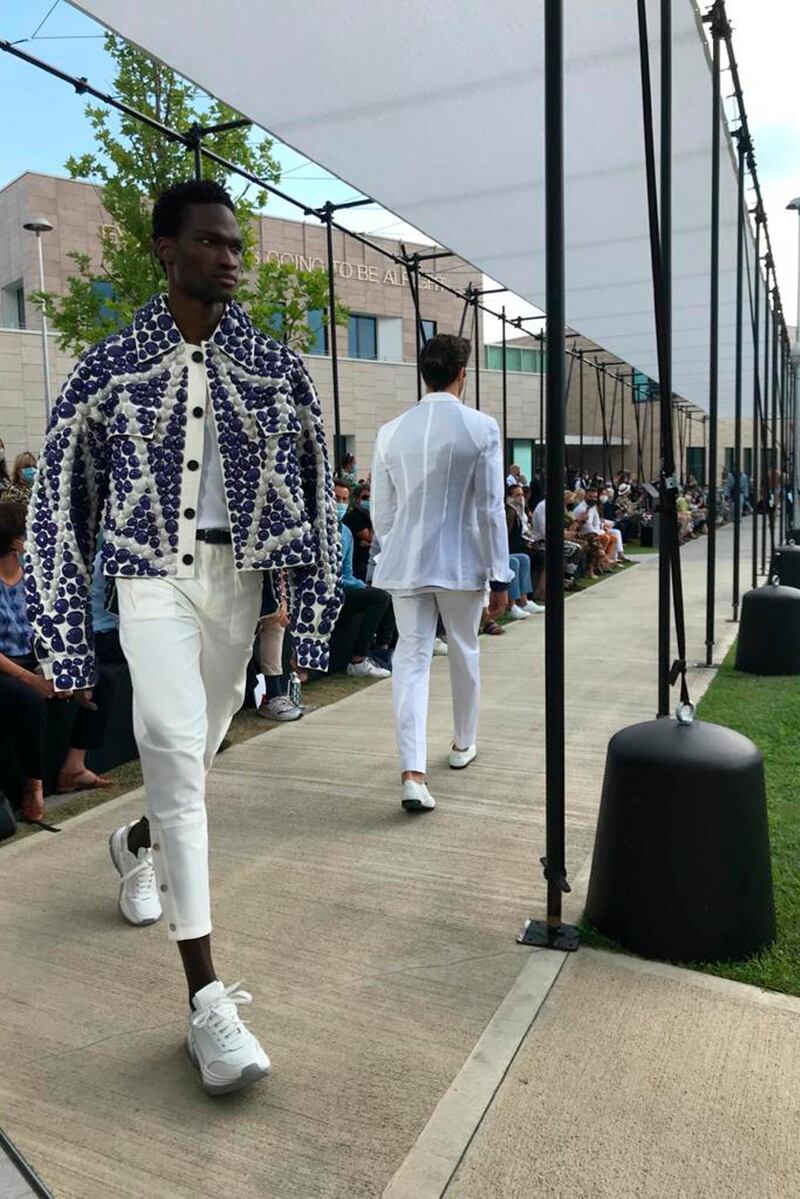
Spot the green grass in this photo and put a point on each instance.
(633, 547)
(767, 710)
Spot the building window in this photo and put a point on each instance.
(696, 463)
(428, 330)
(519, 359)
(104, 290)
(316, 323)
(13, 314)
(362, 337)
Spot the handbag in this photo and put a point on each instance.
(8, 822)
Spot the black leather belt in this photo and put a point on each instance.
(214, 536)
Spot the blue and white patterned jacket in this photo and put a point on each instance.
(116, 454)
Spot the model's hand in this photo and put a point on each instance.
(498, 602)
(84, 699)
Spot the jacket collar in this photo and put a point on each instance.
(155, 332)
(434, 396)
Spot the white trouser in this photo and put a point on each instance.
(187, 642)
(416, 618)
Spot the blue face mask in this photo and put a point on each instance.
(29, 473)
(365, 505)
(341, 511)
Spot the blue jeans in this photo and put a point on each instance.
(521, 584)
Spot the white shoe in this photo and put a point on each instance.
(138, 890)
(440, 648)
(459, 758)
(530, 607)
(367, 670)
(225, 1052)
(417, 797)
(280, 707)
(517, 613)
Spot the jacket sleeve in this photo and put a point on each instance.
(383, 508)
(315, 590)
(490, 504)
(63, 520)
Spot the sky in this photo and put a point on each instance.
(50, 122)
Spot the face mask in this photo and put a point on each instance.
(341, 511)
(365, 505)
(29, 473)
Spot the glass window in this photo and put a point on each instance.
(316, 322)
(13, 313)
(696, 463)
(522, 456)
(104, 290)
(513, 360)
(362, 337)
(428, 329)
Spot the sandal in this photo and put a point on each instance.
(493, 629)
(81, 780)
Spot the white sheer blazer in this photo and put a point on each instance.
(438, 499)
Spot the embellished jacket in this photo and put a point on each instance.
(118, 454)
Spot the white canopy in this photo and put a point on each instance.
(436, 111)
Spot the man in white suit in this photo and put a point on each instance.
(439, 520)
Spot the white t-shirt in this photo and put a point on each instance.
(212, 512)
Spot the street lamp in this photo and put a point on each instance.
(40, 225)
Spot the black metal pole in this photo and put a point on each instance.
(774, 472)
(665, 366)
(505, 389)
(554, 933)
(782, 403)
(737, 428)
(755, 480)
(713, 359)
(580, 398)
(477, 352)
(765, 465)
(622, 434)
(541, 396)
(337, 416)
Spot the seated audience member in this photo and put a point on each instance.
(277, 703)
(607, 509)
(515, 477)
(22, 477)
(520, 589)
(25, 694)
(521, 539)
(370, 607)
(590, 526)
(359, 523)
(685, 519)
(4, 479)
(349, 470)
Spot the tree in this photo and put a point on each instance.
(133, 163)
(283, 297)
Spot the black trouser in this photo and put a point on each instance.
(23, 713)
(107, 646)
(364, 611)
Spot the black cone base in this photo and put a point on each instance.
(681, 867)
(786, 565)
(769, 631)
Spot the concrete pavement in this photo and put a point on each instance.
(380, 948)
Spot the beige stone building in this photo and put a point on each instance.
(376, 350)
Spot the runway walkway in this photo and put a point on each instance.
(379, 947)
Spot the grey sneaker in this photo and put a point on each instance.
(280, 707)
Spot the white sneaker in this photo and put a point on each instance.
(138, 890)
(225, 1052)
(440, 648)
(517, 613)
(280, 707)
(530, 607)
(417, 797)
(459, 758)
(367, 670)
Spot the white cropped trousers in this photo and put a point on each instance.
(416, 618)
(187, 642)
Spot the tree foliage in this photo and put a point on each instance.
(281, 298)
(133, 163)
